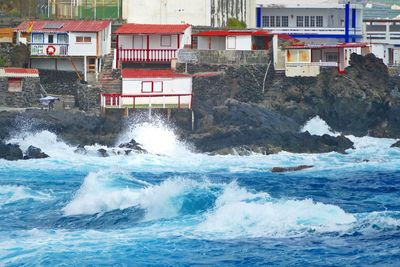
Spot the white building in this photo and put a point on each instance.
(151, 88)
(66, 45)
(145, 43)
(312, 21)
(242, 40)
(195, 12)
(307, 60)
(384, 37)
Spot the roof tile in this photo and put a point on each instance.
(67, 25)
(152, 28)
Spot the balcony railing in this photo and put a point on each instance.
(321, 64)
(298, 30)
(119, 101)
(49, 49)
(146, 55)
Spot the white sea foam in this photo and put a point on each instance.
(10, 194)
(317, 126)
(240, 213)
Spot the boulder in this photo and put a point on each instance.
(396, 144)
(10, 151)
(35, 153)
(80, 150)
(133, 146)
(291, 169)
(103, 153)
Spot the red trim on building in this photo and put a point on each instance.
(341, 45)
(151, 73)
(152, 29)
(20, 71)
(233, 33)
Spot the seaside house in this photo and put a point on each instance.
(67, 45)
(150, 43)
(19, 87)
(312, 21)
(151, 89)
(241, 40)
(383, 35)
(6, 35)
(307, 60)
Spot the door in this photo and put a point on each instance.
(51, 39)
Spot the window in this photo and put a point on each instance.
(14, 84)
(307, 21)
(272, 21)
(285, 21)
(152, 87)
(320, 21)
(265, 21)
(331, 57)
(83, 39)
(231, 42)
(300, 21)
(62, 39)
(312, 21)
(37, 38)
(50, 39)
(278, 21)
(166, 40)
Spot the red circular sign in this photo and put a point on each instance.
(51, 50)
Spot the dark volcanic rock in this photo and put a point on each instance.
(103, 153)
(80, 150)
(397, 144)
(291, 169)
(10, 151)
(35, 153)
(133, 145)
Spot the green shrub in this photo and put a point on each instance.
(234, 23)
(3, 61)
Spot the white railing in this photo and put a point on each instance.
(297, 30)
(49, 49)
(302, 64)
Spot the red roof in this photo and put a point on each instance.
(18, 72)
(64, 26)
(152, 28)
(233, 33)
(341, 45)
(151, 73)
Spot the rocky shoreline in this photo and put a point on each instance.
(233, 115)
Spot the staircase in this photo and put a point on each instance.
(110, 80)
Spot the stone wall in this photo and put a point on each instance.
(14, 55)
(59, 82)
(28, 97)
(230, 57)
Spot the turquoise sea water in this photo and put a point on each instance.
(182, 208)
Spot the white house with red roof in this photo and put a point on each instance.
(67, 45)
(150, 43)
(241, 40)
(150, 89)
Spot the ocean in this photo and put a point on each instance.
(175, 207)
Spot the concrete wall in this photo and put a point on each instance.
(302, 71)
(60, 64)
(82, 49)
(28, 97)
(223, 57)
(196, 12)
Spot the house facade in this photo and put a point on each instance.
(150, 43)
(67, 45)
(308, 60)
(214, 13)
(241, 40)
(19, 87)
(151, 89)
(384, 37)
(312, 21)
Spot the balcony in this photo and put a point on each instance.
(146, 55)
(335, 31)
(49, 49)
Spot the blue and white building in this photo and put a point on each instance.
(312, 21)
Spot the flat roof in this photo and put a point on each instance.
(233, 33)
(340, 45)
(18, 72)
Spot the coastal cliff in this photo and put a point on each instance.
(234, 115)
